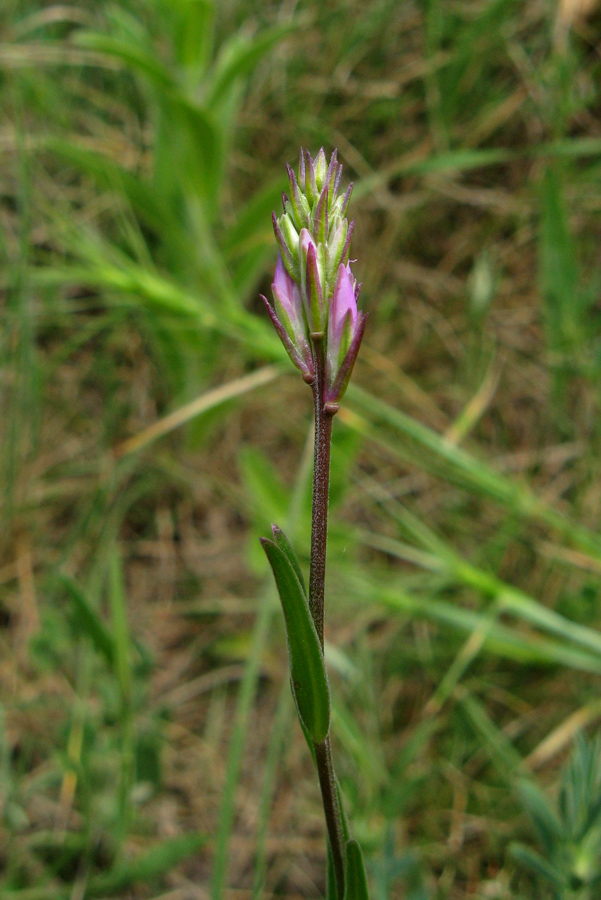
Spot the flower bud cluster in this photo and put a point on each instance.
(315, 294)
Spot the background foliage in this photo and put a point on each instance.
(151, 430)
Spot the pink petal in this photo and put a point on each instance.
(306, 241)
(344, 299)
(285, 289)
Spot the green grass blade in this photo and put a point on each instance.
(207, 401)
(507, 598)
(238, 57)
(502, 640)
(158, 860)
(129, 54)
(161, 858)
(282, 722)
(89, 619)
(462, 467)
(241, 720)
(110, 174)
(558, 271)
(194, 34)
(502, 751)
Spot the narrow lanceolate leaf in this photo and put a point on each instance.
(286, 547)
(355, 880)
(307, 668)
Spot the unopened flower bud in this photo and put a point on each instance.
(298, 202)
(320, 217)
(289, 255)
(287, 238)
(320, 168)
(341, 203)
(345, 332)
(289, 320)
(311, 191)
(338, 245)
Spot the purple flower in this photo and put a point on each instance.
(315, 294)
(287, 294)
(289, 320)
(345, 331)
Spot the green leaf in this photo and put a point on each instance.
(558, 267)
(108, 173)
(238, 57)
(286, 547)
(542, 815)
(247, 245)
(307, 668)
(253, 221)
(203, 157)
(160, 858)
(268, 497)
(152, 864)
(330, 877)
(355, 880)
(194, 27)
(536, 863)
(89, 619)
(129, 54)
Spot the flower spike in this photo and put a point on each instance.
(315, 294)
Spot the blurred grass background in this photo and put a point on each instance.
(151, 429)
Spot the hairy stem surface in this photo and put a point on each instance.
(317, 574)
(321, 488)
(331, 808)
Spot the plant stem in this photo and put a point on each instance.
(317, 574)
(331, 808)
(321, 489)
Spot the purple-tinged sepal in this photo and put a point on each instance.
(311, 189)
(339, 244)
(289, 320)
(288, 248)
(334, 393)
(320, 217)
(320, 168)
(333, 169)
(345, 333)
(341, 203)
(337, 175)
(301, 170)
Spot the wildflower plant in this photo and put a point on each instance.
(569, 831)
(315, 314)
